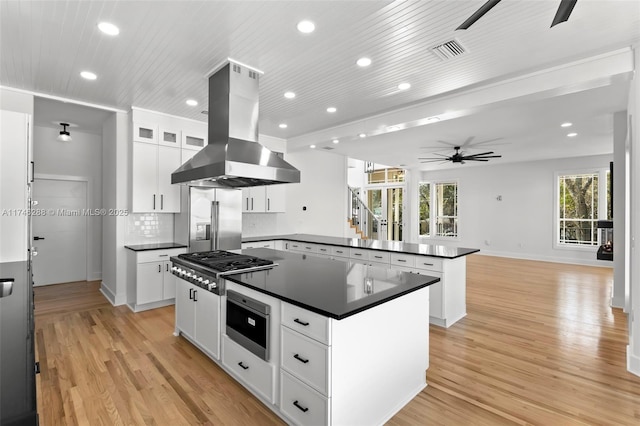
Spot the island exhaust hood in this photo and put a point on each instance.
(233, 157)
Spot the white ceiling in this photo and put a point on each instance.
(165, 50)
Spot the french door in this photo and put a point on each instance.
(386, 203)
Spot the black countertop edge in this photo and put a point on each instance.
(155, 246)
(433, 280)
(407, 248)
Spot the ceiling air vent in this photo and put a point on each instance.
(328, 148)
(448, 50)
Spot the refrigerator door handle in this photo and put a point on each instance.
(6, 287)
(215, 221)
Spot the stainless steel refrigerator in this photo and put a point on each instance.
(210, 219)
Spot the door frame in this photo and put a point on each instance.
(383, 188)
(89, 237)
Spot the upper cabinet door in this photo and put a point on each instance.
(169, 137)
(144, 178)
(193, 140)
(275, 199)
(145, 132)
(169, 195)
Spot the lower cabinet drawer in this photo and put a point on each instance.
(302, 404)
(254, 372)
(429, 263)
(306, 359)
(306, 322)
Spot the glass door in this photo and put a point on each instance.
(386, 204)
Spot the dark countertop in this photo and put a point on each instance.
(156, 246)
(434, 250)
(333, 288)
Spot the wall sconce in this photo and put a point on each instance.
(64, 135)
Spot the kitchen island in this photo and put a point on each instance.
(448, 297)
(348, 343)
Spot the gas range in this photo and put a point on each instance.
(204, 269)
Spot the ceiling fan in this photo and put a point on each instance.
(459, 157)
(563, 13)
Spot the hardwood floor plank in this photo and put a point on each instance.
(539, 346)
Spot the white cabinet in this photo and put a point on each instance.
(14, 169)
(169, 137)
(259, 244)
(193, 140)
(152, 190)
(264, 199)
(151, 283)
(198, 316)
(145, 132)
(253, 199)
(252, 371)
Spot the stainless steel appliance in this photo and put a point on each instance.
(204, 269)
(17, 356)
(248, 323)
(233, 156)
(210, 219)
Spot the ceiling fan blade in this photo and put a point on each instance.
(434, 160)
(467, 142)
(472, 157)
(475, 159)
(478, 14)
(564, 11)
(489, 141)
(482, 154)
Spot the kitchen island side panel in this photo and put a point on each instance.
(379, 360)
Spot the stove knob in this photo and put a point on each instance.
(188, 274)
(174, 268)
(200, 279)
(211, 286)
(206, 282)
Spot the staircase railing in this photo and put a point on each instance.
(362, 217)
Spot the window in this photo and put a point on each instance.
(578, 201)
(380, 176)
(440, 218)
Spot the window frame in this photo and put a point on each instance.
(602, 206)
(433, 210)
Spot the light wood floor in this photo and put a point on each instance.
(539, 345)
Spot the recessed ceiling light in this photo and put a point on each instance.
(192, 102)
(336, 141)
(404, 86)
(363, 135)
(331, 109)
(312, 146)
(282, 125)
(88, 75)
(289, 95)
(108, 28)
(306, 27)
(572, 135)
(567, 124)
(363, 62)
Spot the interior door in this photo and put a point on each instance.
(60, 233)
(387, 206)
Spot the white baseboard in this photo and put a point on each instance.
(633, 362)
(525, 256)
(112, 298)
(617, 302)
(96, 276)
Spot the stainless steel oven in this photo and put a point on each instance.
(248, 323)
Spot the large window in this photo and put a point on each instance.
(440, 217)
(579, 207)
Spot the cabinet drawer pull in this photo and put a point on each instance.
(339, 251)
(195, 295)
(161, 201)
(300, 407)
(402, 260)
(357, 254)
(154, 201)
(378, 257)
(167, 267)
(308, 248)
(163, 255)
(427, 264)
(301, 322)
(323, 249)
(159, 268)
(244, 367)
(190, 294)
(299, 358)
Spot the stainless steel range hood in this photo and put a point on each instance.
(233, 156)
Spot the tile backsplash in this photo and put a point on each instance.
(148, 228)
(260, 224)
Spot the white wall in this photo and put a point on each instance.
(80, 157)
(522, 224)
(115, 135)
(322, 190)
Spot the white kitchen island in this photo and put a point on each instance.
(349, 342)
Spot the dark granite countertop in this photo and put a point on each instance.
(156, 246)
(333, 288)
(434, 250)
